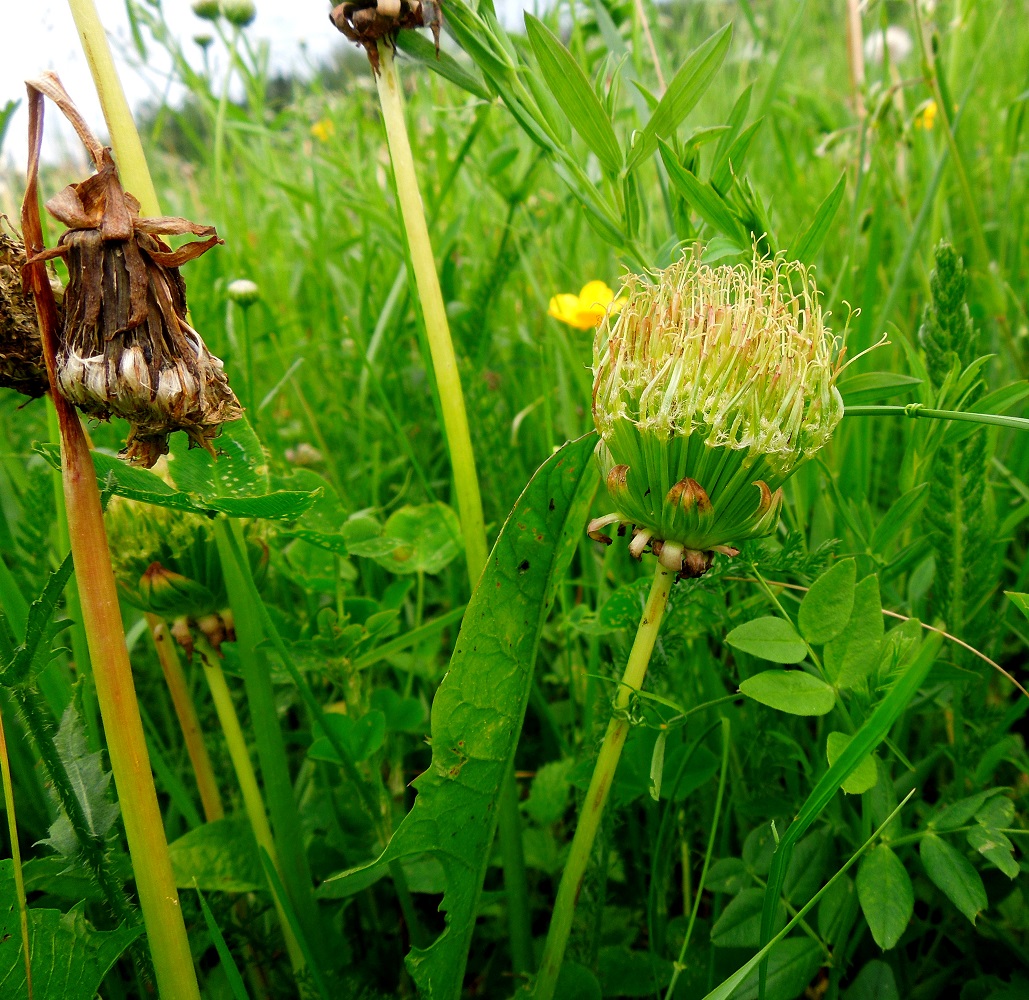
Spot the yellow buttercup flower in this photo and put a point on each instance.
(585, 310)
(323, 130)
(927, 116)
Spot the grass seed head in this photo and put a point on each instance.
(709, 389)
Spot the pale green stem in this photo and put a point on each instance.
(600, 784)
(253, 803)
(19, 878)
(437, 329)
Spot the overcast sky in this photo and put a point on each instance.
(40, 34)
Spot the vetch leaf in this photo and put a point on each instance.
(886, 895)
(739, 925)
(826, 607)
(573, 93)
(864, 777)
(792, 965)
(996, 848)
(683, 93)
(790, 691)
(769, 638)
(854, 654)
(220, 856)
(952, 873)
(875, 981)
(837, 911)
(478, 709)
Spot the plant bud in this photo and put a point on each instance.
(710, 388)
(209, 10)
(126, 347)
(243, 292)
(240, 13)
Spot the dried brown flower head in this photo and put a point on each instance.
(364, 22)
(126, 347)
(22, 367)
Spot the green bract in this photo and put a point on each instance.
(710, 388)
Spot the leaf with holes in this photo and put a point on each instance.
(478, 709)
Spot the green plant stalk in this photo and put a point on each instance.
(239, 753)
(600, 784)
(459, 443)
(437, 329)
(185, 711)
(917, 410)
(112, 672)
(271, 747)
(19, 878)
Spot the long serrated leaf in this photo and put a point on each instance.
(707, 202)
(683, 93)
(813, 237)
(478, 710)
(39, 630)
(573, 93)
(865, 740)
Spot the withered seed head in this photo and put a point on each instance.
(126, 347)
(22, 367)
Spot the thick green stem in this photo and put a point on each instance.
(239, 753)
(437, 329)
(185, 711)
(600, 785)
(271, 747)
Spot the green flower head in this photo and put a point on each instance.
(709, 389)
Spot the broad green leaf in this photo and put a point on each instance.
(576, 982)
(727, 875)
(360, 737)
(875, 981)
(826, 607)
(996, 848)
(69, 957)
(886, 895)
(478, 709)
(792, 964)
(739, 925)
(902, 513)
(419, 48)
(810, 242)
(807, 869)
(683, 93)
(854, 654)
(952, 873)
(573, 93)
(960, 812)
(703, 198)
(863, 777)
(769, 638)
(423, 539)
(837, 911)
(918, 662)
(220, 856)
(626, 973)
(790, 691)
(874, 387)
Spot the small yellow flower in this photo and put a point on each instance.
(926, 117)
(585, 310)
(323, 130)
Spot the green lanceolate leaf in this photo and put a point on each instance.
(809, 243)
(826, 607)
(69, 957)
(790, 691)
(1020, 601)
(874, 387)
(704, 199)
(952, 873)
(682, 95)
(419, 48)
(573, 93)
(478, 709)
(769, 638)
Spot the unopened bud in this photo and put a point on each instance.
(208, 10)
(240, 13)
(243, 292)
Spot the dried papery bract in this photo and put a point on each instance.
(709, 390)
(22, 367)
(126, 347)
(365, 22)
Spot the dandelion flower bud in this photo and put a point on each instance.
(243, 291)
(240, 13)
(209, 10)
(709, 390)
